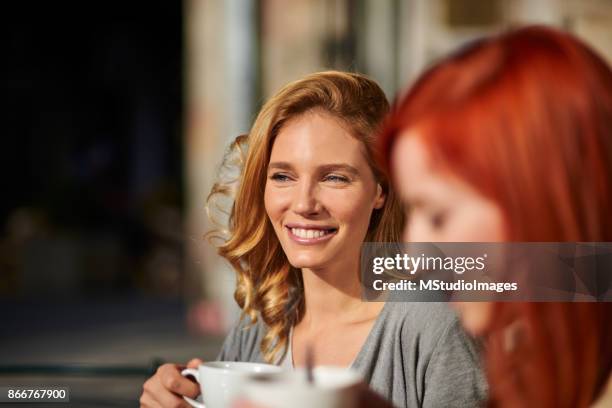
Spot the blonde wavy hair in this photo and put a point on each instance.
(268, 287)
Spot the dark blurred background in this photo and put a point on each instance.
(116, 117)
(91, 216)
(92, 201)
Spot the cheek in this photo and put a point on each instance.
(418, 229)
(273, 202)
(353, 208)
(481, 222)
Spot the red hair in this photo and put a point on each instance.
(526, 119)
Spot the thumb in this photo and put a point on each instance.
(194, 363)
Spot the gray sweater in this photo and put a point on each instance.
(416, 355)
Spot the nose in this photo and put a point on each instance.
(306, 201)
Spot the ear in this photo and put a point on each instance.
(380, 197)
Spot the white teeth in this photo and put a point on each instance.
(308, 233)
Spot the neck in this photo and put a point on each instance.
(333, 295)
(605, 399)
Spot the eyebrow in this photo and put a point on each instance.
(324, 168)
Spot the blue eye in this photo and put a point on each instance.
(279, 177)
(336, 178)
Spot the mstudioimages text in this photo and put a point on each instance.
(412, 264)
(440, 285)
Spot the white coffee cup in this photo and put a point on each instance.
(222, 381)
(333, 387)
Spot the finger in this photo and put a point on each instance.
(147, 401)
(194, 363)
(173, 381)
(166, 399)
(149, 389)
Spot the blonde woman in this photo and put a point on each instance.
(308, 194)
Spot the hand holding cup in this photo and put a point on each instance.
(167, 387)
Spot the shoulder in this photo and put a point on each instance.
(448, 359)
(243, 341)
(426, 320)
(423, 328)
(426, 358)
(433, 330)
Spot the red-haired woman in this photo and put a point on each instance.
(511, 140)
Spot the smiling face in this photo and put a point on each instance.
(320, 192)
(440, 207)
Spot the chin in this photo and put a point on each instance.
(304, 262)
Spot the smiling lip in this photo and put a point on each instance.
(310, 234)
